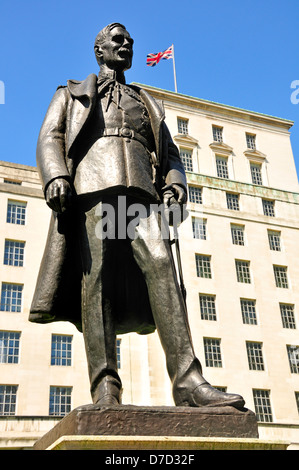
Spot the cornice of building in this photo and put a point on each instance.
(214, 107)
(240, 187)
(18, 166)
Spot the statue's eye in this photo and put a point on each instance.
(118, 38)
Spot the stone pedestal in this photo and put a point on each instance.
(117, 447)
(161, 422)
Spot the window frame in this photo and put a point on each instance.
(268, 207)
(6, 304)
(207, 306)
(217, 133)
(199, 228)
(243, 271)
(183, 126)
(11, 256)
(203, 266)
(60, 403)
(61, 350)
(262, 405)
(233, 201)
(8, 398)
(249, 313)
(186, 156)
(281, 276)
(212, 352)
(222, 167)
(238, 238)
(17, 216)
(9, 347)
(195, 193)
(255, 355)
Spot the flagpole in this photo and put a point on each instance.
(174, 73)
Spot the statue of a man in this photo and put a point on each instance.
(101, 140)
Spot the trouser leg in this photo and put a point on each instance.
(153, 254)
(98, 326)
(154, 257)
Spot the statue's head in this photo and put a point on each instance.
(114, 47)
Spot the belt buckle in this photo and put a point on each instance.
(126, 132)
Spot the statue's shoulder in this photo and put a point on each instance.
(134, 87)
(83, 87)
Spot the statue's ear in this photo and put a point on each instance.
(98, 53)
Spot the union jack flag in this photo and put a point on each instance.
(154, 59)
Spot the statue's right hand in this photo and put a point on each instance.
(58, 195)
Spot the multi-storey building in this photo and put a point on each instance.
(239, 249)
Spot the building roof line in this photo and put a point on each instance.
(214, 103)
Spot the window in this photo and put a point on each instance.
(9, 347)
(248, 312)
(287, 316)
(7, 181)
(8, 398)
(217, 134)
(60, 401)
(199, 228)
(232, 201)
(195, 194)
(256, 173)
(212, 352)
(61, 350)
(16, 212)
(207, 307)
(203, 266)
(281, 278)
(268, 207)
(255, 355)
(243, 271)
(238, 234)
(293, 355)
(14, 253)
(183, 126)
(11, 297)
(250, 141)
(186, 157)
(274, 240)
(297, 400)
(118, 356)
(262, 405)
(222, 168)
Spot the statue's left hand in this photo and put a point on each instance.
(58, 195)
(174, 194)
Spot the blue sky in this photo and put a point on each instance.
(240, 53)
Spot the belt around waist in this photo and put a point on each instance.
(125, 132)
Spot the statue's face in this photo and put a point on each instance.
(117, 49)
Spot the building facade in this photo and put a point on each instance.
(239, 256)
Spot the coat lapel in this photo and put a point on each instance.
(84, 98)
(157, 116)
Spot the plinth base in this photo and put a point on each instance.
(129, 420)
(162, 443)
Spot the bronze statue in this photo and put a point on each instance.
(103, 141)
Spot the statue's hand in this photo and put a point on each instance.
(174, 194)
(58, 195)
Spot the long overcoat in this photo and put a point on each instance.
(57, 295)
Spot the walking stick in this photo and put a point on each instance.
(179, 261)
